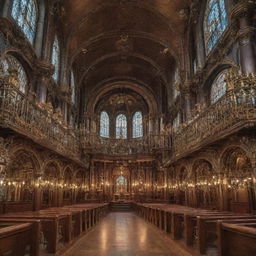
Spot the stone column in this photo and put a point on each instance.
(44, 71)
(40, 28)
(243, 13)
(150, 124)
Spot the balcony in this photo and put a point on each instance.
(35, 121)
(234, 111)
(108, 146)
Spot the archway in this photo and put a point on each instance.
(51, 180)
(238, 181)
(20, 177)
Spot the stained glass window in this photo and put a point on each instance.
(215, 23)
(137, 125)
(10, 63)
(104, 124)
(121, 127)
(73, 88)
(25, 13)
(219, 87)
(56, 58)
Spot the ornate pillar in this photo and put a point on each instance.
(187, 104)
(112, 126)
(243, 13)
(40, 28)
(44, 77)
(129, 127)
(38, 193)
(150, 124)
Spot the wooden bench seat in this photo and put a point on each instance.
(19, 237)
(192, 225)
(55, 228)
(208, 225)
(76, 218)
(236, 239)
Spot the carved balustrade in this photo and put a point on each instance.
(235, 110)
(109, 146)
(35, 121)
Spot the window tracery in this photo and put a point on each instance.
(56, 58)
(121, 127)
(11, 64)
(25, 13)
(218, 88)
(137, 125)
(104, 124)
(215, 23)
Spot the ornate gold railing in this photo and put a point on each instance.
(19, 113)
(145, 145)
(237, 109)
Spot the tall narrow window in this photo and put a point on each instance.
(219, 87)
(25, 13)
(121, 127)
(73, 88)
(104, 124)
(137, 125)
(56, 58)
(11, 64)
(215, 23)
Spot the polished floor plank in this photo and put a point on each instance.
(125, 234)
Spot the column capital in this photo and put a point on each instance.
(243, 8)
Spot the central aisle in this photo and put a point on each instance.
(125, 234)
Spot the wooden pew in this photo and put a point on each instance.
(19, 237)
(186, 222)
(191, 222)
(206, 224)
(56, 228)
(61, 225)
(76, 218)
(236, 240)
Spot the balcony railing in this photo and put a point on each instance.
(108, 146)
(235, 110)
(20, 114)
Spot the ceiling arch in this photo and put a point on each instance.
(103, 89)
(138, 39)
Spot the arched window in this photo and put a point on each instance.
(104, 124)
(56, 58)
(73, 88)
(25, 13)
(121, 127)
(11, 64)
(137, 125)
(219, 87)
(215, 23)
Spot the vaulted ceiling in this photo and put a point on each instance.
(135, 40)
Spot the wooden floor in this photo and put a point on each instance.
(125, 234)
